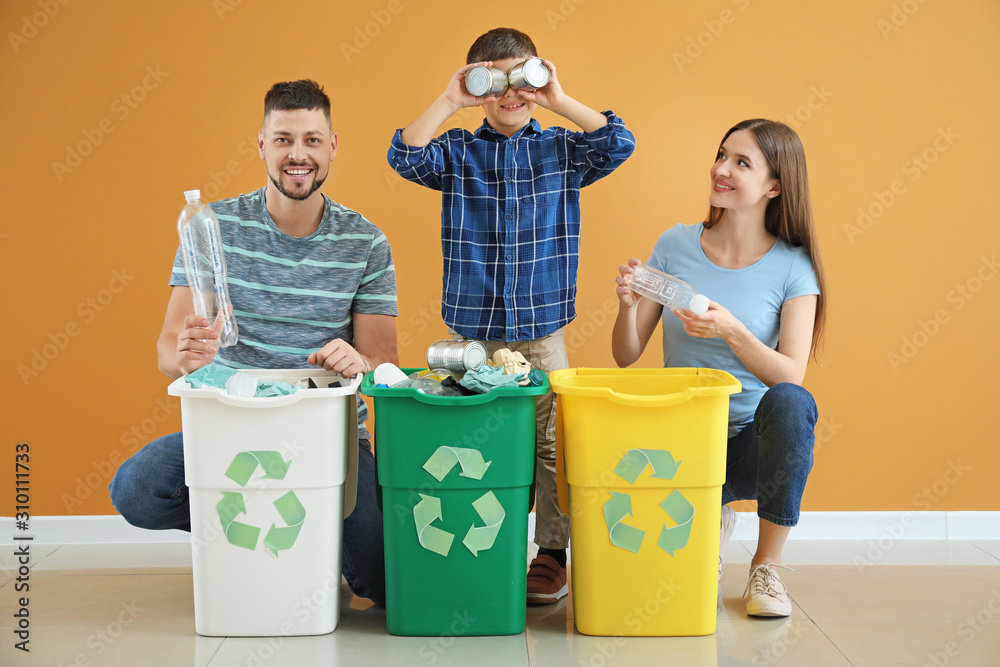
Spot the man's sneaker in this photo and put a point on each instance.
(546, 581)
(728, 525)
(765, 594)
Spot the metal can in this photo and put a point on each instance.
(483, 81)
(456, 355)
(532, 73)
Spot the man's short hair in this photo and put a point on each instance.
(301, 94)
(500, 44)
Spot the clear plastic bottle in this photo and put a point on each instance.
(205, 267)
(426, 385)
(663, 288)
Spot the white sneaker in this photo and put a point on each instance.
(728, 525)
(765, 594)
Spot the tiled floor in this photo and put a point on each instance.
(855, 603)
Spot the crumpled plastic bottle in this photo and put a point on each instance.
(427, 385)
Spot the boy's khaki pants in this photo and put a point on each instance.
(546, 354)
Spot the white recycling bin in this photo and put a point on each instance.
(271, 480)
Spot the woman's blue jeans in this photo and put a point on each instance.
(770, 459)
(149, 492)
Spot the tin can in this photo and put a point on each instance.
(456, 355)
(532, 73)
(483, 81)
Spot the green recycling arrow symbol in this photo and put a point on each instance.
(293, 514)
(481, 538)
(444, 459)
(681, 511)
(622, 535)
(232, 504)
(245, 463)
(636, 460)
(676, 506)
(428, 509)
(426, 512)
(240, 534)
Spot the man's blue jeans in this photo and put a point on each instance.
(770, 459)
(149, 491)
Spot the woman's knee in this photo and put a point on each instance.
(789, 402)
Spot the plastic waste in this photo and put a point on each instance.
(388, 375)
(536, 377)
(665, 289)
(453, 384)
(439, 374)
(205, 267)
(426, 386)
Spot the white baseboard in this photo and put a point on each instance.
(973, 525)
(855, 526)
(88, 529)
(105, 529)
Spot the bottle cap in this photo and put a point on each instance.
(192, 195)
(699, 304)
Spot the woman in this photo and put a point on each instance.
(757, 260)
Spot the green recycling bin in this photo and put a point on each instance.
(455, 475)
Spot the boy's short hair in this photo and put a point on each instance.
(499, 44)
(301, 94)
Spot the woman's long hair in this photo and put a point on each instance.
(788, 216)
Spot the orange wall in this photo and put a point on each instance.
(112, 109)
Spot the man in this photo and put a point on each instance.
(311, 282)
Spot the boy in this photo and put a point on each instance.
(510, 237)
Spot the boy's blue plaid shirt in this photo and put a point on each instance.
(510, 220)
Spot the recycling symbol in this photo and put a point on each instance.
(428, 510)
(676, 506)
(288, 506)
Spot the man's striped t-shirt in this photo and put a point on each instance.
(293, 295)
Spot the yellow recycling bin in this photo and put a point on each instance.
(645, 459)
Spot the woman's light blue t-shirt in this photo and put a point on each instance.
(754, 295)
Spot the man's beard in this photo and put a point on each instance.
(300, 195)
